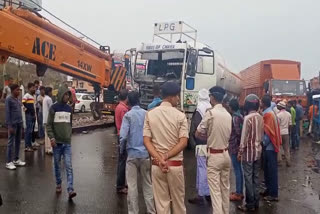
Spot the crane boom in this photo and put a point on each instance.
(28, 37)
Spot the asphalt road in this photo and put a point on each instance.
(32, 189)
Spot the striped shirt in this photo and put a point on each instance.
(251, 137)
(28, 101)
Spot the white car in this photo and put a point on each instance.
(83, 103)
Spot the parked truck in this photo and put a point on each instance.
(313, 88)
(278, 78)
(181, 58)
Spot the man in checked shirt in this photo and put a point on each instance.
(250, 151)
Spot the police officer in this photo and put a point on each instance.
(216, 126)
(165, 137)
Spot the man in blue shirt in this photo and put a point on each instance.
(138, 161)
(156, 98)
(14, 123)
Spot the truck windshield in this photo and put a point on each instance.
(162, 64)
(288, 87)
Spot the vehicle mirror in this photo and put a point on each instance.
(126, 63)
(190, 83)
(266, 86)
(207, 50)
(192, 63)
(113, 65)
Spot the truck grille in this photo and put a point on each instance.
(146, 94)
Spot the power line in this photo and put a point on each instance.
(14, 3)
(92, 40)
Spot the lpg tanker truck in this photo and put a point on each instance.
(191, 64)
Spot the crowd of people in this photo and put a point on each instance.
(151, 144)
(248, 139)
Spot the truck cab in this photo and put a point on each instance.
(287, 89)
(191, 64)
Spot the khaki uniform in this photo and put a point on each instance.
(217, 125)
(166, 125)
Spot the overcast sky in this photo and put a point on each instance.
(243, 31)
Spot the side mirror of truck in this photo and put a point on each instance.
(192, 63)
(207, 50)
(113, 65)
(127, 64)
(266, 86)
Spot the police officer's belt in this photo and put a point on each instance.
(169, 162)
(216, 151)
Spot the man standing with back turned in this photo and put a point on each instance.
(121, 109)
(217, 124)
(165, 136)
(271, 145)
(138, 161)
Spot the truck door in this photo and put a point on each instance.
(200, 74)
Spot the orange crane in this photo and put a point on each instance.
(28, 36)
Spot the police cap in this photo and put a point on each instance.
(217, 92)
(170, 89)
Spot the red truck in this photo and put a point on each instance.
(278, 78)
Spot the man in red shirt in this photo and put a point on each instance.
(120, 111)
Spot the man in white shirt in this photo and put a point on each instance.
(285, 123)
(6, 90)
(46, 105)
(39, 114)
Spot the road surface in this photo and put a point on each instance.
(32, 189)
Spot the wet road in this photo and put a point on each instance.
(32, 189)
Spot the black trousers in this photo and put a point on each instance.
(271, 173)
(293, 136)
(121, 172)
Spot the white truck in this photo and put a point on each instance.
(191, 64)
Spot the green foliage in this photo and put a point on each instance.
(28, 74)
